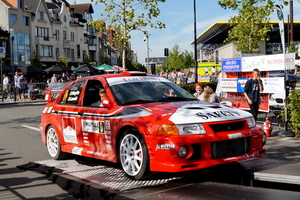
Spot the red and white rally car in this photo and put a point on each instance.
(145, 127)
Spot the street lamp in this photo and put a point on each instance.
(147, 40)
(12, 36)
(195, 44)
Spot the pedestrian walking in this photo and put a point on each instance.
(253, 88)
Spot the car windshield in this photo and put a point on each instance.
(136, 90)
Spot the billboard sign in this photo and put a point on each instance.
(232, 65)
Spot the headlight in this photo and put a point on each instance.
(251, 122)
(183, 129)
(191, 129)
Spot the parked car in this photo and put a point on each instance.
(144, 128)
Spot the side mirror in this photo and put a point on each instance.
(106, 102)
(48, 96)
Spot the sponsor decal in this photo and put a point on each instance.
(107, 125)
(92, 126)
(108, 141)
(234, 135)
(107, 137)
(72, 98)
(77, 150)
(165, 146)
(97, 153)
(73, 93)
(109, 147)
(69, 130)
(217, 114)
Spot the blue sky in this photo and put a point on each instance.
(178, 15)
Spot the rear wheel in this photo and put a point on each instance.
(133, 155)
(53, 144)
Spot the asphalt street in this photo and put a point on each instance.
(20, 143)
(16, 184)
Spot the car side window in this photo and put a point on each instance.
(71, 96)
(92, 92)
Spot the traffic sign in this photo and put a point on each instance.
(2, 52)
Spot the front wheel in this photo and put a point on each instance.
(133, 155)
(53, 144)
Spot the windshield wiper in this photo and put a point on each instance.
(137, 102)
(176, 99)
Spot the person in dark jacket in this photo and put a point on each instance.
(253, 88)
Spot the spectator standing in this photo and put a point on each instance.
(53, 79)
(22, 81)
(163, 74)
(199, 90)
(6, 86)
(213, 71)
(252, 90)
(181, 75)
(209, 96)
(174, 76)
(30, 87)
(205, 71)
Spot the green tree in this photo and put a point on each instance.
(35, 60)
(63, 61)
(126, 16)
(178, 60)
(87, 61)
(251, 25)
(292, 47)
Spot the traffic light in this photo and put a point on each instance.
(153, 68)
(166, 50)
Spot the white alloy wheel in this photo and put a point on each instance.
(53, 144)
(133, 154)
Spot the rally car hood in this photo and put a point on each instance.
(179, 112)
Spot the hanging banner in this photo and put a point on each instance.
(281, 25)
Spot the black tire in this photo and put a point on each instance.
(53, 144)
(133, 155)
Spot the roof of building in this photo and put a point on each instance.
(218, 32)
(81, 8)
(7, 3)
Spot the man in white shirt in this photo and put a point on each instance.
(6, 85)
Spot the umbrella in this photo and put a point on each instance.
(105, 67)
(57, 69)
(30, 69)
(118, 67)
(6, 68)
(85, 68)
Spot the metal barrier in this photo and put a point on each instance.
(32, 91)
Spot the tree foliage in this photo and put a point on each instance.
(63, 61)
(126, 16)
(292, 47)
(178, 60)
(35, 60)
(252, 23)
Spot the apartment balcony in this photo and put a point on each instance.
(41, 39)
(92, 47)
(66, 43)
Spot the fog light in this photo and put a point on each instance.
(183, 151)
